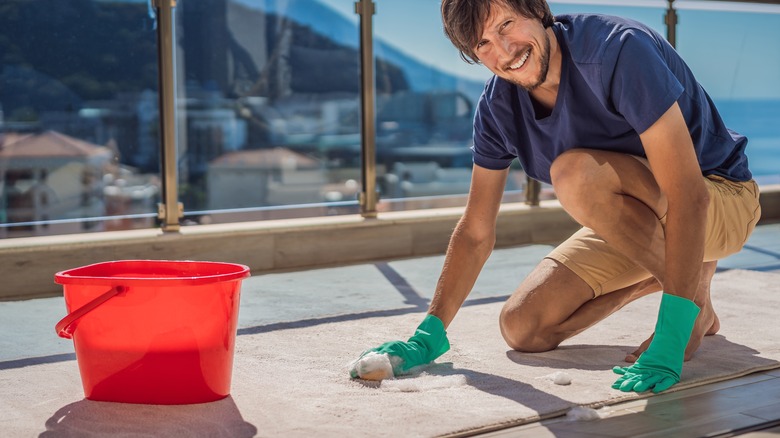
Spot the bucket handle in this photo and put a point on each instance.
(67, 325)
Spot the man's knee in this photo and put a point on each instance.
(524, 332)
(573, 166)
(578, 177)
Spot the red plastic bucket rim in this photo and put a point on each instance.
(121, 274)
(142, 273)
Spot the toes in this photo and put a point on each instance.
(632, 357)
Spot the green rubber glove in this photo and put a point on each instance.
(659, 367)
(428, 343)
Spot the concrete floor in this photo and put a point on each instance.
(313, 297)
(309, 297)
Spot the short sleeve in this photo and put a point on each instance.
(489, 150)
(642, 86)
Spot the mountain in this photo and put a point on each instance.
(326, 21)
(329, 23)
(55, 54)
(92, 50)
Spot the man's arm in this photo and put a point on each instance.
(471, 243)
(669, 150)
(673, 161)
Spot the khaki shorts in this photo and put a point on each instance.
(731, 217)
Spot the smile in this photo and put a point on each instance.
(520, 62)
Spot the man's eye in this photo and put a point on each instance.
(506, 24)
(481, 44)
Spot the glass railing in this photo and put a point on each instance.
(268, 96)
(268, 106)
(649, 12)
(424, 122)
(734, 49)
(78, 117)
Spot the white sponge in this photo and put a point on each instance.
(373, 366)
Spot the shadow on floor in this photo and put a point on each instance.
(88, 418)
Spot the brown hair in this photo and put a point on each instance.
(463, 20)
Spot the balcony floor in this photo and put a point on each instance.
(281, 299)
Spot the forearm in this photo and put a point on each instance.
(685, 236)
(676, 169)
(467, 253)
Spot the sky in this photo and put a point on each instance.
(735, 55)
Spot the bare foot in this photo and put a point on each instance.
(707, 324)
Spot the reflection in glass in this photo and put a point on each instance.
(78, 117)
(424, 122)
(269, 109)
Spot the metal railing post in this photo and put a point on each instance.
(368, 194)
(670, 19)
(532, 190)
(170, 210)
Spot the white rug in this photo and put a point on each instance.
(294, 382)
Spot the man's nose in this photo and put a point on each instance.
(506, 46)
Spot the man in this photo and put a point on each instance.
(609, 114)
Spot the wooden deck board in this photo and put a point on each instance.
(709, 409)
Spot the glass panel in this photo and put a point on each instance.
(649, 12)
(268, 108)
(78, 117)
(735, 52)
(426, 96)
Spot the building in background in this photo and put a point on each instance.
(50, 176)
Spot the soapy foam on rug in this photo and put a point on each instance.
(423, 382)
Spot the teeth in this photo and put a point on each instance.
(521, 61)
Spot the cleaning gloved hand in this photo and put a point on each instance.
(659, 367)
(396, 357)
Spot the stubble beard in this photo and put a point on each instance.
(544, 66)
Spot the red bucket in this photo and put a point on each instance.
(153, 332)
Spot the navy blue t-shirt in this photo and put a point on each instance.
(617, 78)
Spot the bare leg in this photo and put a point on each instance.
(527, 320)
(554, 304)
(617, 196)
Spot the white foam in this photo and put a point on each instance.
(423, 382)
(559, 378)
(581, 413)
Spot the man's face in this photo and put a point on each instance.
(514, 48)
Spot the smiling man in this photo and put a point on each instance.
(606, 111)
